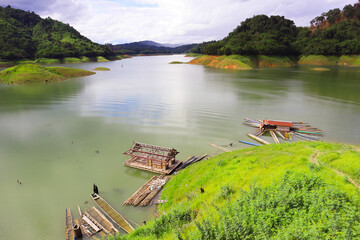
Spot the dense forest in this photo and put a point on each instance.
(334, 33)
(148, 47)
(24, 34)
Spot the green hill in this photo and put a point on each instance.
(334, 33)
(26, 35)
(288, 191)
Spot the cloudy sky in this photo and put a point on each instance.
(169, 21)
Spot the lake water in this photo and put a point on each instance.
(60, 138)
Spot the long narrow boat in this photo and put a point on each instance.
(249, 143)
(69, 232)
(112, 213)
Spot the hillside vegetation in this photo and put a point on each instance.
(26, 35)
(32, 73)
(288, 191)
(334, 33)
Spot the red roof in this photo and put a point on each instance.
(276, 123)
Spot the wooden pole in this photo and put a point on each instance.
(274, 136)
(258, 139)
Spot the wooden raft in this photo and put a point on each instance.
(148, 191)
(112, 213)
(142, 165)
(152, 158)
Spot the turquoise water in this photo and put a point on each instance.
(50, 134)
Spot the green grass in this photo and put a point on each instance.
(193, 55)
(267, 192)
(101, 59)
(71, 60)
(176, 62)
(275, 61)
(32, 73)
(101, 69)
(318, 60)
(48, 61)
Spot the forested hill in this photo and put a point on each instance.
(334, 33)
(24, 34)
(149, 47)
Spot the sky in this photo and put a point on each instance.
(169, 21)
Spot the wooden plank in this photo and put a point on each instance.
(258, 139)
(274, 137)
(93, 225)
(280, 135)
(219, 147)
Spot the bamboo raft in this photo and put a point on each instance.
(145, 194)
(116, 217)
(69, 232)
(283, 129)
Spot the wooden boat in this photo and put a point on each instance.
(116, 217)
(69, 232)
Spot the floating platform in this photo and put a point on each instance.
(152, 158)
(145, 194)
(116, 217)
(141, 164)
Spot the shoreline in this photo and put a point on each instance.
(241, 62)
(67, 60)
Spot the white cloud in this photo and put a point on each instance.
(172, 21)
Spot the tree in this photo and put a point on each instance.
(349, 11)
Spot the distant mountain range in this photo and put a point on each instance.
(151, 47)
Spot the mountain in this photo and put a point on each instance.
(150, 47)
(24, 34)
(334, 33)
(169, 45)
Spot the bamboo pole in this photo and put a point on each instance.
(274, 137)
(258, 139)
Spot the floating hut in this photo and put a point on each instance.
(152, 158)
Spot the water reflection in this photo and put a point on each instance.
(35, 96)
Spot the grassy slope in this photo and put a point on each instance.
(226, 177)
(346, 60)
(248, 62)
(32, 73)
(239, 62)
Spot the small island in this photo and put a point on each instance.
(101, 69)
(32, 73)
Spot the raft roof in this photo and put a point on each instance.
(155, 153)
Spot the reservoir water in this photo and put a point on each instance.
(60, 138)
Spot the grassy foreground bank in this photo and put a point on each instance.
(287, 191)
(32, 73)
